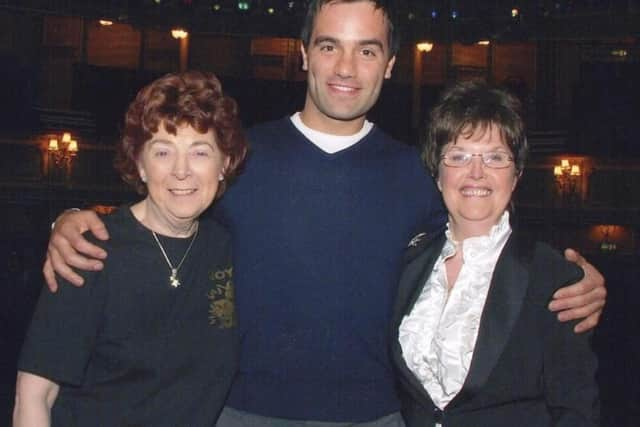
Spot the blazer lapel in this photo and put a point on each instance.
(502, 308)
(412, 282)
(415, 276)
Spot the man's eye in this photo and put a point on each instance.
(161, 153)
(368, 52)
(326, 48)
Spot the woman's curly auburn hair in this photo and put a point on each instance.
(193, 98)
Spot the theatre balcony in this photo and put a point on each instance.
(70, 68)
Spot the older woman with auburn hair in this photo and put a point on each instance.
(152, 341)
(474, 343)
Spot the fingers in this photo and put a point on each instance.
(65, 242)
(588, 323)
(63, 251)
(60, 267)
(97, 227)
(67, 236)
(49, 275)
(591, 273)
(574, 256)
(587, 306)
(581, 311)
(578, 296)
(69, 249)
(570, 294)
(591, 281)
(75, 245)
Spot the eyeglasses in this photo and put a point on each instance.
(491, 159)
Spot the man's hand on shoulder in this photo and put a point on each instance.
(68, 249)
(584, 299)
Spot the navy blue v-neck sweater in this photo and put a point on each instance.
(318, 239)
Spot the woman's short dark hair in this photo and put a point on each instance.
(191, 98)
(386, 6)
(467, 107)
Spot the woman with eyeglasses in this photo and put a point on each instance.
(474, 343)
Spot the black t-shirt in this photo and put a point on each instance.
(130, 350)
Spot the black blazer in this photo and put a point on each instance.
(528, 369)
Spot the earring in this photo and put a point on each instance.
(220, 177)
(143, 178)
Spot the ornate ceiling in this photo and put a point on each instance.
(440, 20)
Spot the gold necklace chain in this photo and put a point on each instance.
(173, 278)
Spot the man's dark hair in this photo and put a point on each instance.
(387, 7)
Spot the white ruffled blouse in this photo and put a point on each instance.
(439, 335)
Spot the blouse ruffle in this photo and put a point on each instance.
(438, 336)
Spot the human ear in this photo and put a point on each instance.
(222, 173)
(141, 172)
(305, 62)
(389, 68)
(516, 179)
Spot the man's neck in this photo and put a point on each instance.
(330, 143)
(331, 126)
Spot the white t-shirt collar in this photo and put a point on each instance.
(330, 143)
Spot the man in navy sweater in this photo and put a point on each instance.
(320, 219)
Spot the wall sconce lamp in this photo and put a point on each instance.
(566, 171)
(64, 151)
(425, 46)
(416, 84)
(179, 33)
(608, 243)
(567, 177)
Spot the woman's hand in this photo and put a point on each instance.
(69, 249)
